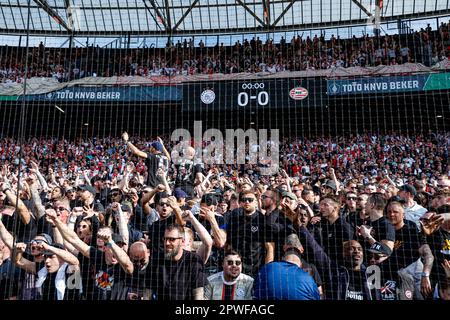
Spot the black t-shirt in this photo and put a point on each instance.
(406, 249)
(332, 236)
(24, 232)
(49, 288)
(176, 280)
(153, 163)
(10, 276)
(355, 286)
(186, 172)
(439, 243)
(139, 283)
(355, 220)
(156, 233)
(382, 229)
(108, 280)
(248, 235)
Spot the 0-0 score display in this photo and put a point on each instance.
(257, 93)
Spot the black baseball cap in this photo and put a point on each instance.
(209, 199)
(380, 248)
(408, 188)
(89, 188)
(49, 253)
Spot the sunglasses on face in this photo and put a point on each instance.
(234, 262)
(171, 239)
(249, 200)
(352, 198)
(163, 204)
(115, 194)
(138, 261)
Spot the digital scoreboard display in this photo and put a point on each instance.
(254, 94)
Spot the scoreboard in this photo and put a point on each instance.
(254, 94)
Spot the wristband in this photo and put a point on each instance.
(109, 244)
(425, 274)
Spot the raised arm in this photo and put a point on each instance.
(133, 148)
(428, 259)
(166, 153)
(118, 252)
(64, 255)
(69, 235)
(6, 237)
(24, 214)
(205, 248)
(219, 235)
(35, 169)
(122, 225)
(20, 261)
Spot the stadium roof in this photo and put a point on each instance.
(195, 17)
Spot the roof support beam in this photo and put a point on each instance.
(283, 13)
(160, 17)
(52, 13)
(361, 6)
(185, 14)
(251, 12)
(168, 19)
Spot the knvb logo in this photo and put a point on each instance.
(251, 147)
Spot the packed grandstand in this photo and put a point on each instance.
(356, 205)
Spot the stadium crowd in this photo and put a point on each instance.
(185, 58)
(361, 217)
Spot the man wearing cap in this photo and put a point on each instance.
(157, 158)
(413, 211)
(52, 278)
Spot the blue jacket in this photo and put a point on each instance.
(284, 281)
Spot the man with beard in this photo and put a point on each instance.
(231, 283)
(180, 275)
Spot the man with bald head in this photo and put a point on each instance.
(187, 171)
(139, 282)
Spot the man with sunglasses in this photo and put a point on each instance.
(169, 213)
(139, 282)
(231, 283)
(248, 233)
(349, 208)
